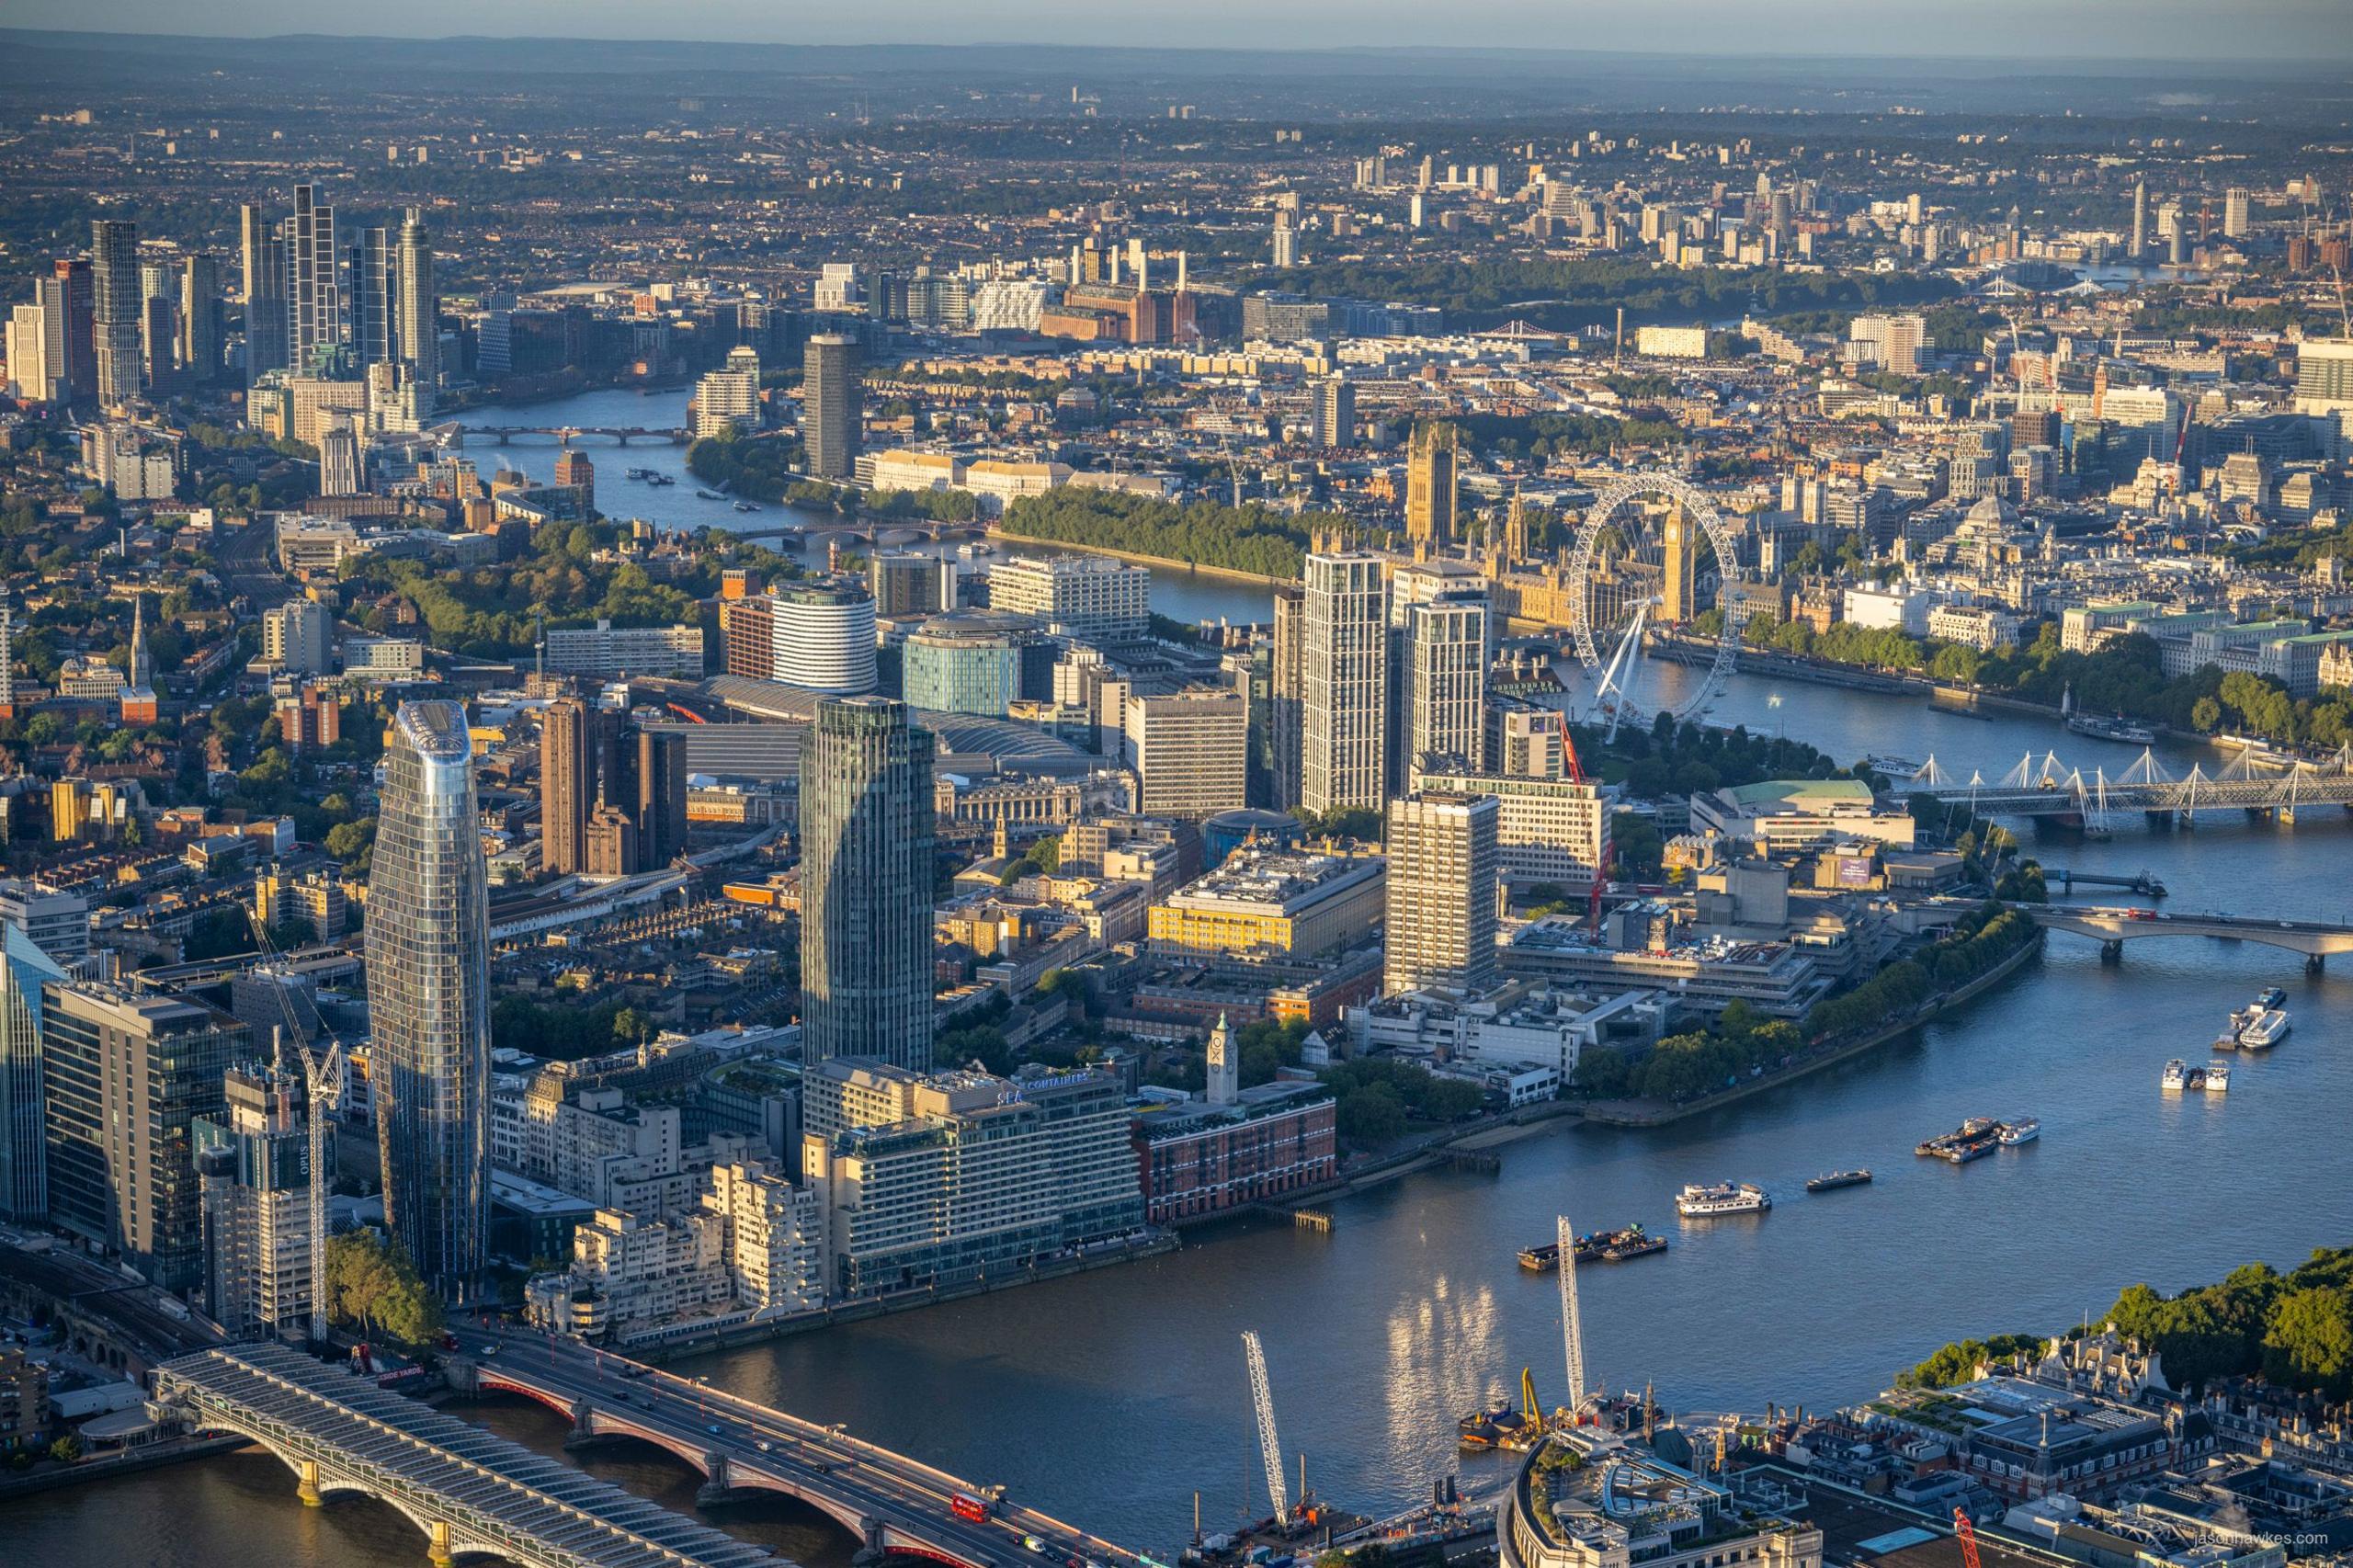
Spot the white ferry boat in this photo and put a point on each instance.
(2025, 1129)
(1702, 1202)
(2218, 1078)
(2176, 1074)
(2265, 1031)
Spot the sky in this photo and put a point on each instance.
(2282, 30)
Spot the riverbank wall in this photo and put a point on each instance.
(1652, 1113)
(128, 1462)
(1254, 579)
(712, 1341)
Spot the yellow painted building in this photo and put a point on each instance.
(1264, 900)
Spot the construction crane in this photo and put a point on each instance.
(1576, 771)
(1270, 1448)
(1967, 1533)
(1572, 1329)
(321, 1091)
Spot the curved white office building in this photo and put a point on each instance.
(824, 637)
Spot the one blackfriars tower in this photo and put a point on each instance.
(866, 884)
(428, 959)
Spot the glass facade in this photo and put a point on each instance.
(24, 1166)
(127, 1078)
(866, 884)
(962, 665)
(429, 999)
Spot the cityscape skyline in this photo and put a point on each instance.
(1238, 795)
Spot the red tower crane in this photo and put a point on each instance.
(1609, 853)
(1967, 1533)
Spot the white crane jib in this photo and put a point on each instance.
(1262, 1399)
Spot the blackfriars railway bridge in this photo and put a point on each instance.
(472, 1491)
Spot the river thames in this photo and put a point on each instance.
(1110, 1399)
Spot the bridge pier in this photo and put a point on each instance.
(309, 1489)
(717, 1486)
(2112, 950)
(2315, 964)
(584, 1428)
(2159, 822)
(876, 1548)
(439, 1550)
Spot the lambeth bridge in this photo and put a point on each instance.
(472, 1491)
(2049, 788)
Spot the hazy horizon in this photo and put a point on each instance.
(2253, 32)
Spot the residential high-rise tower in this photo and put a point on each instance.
(313, 299)
(118, 303)
(1343, 683)
(417, 306)
(429, 996)
(831, 423)
(866, 884)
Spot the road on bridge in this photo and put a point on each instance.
(870, 1490)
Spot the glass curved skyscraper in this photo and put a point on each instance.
(865, 844)
(429, 996)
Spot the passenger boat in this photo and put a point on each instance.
(654, 478)
(1837, 1179)
(2270, 996)
(2263, 1031)
(710, 495)
(2025, 1129)
(2116, 729)
(747, 506)
(2218, 1078)
(639, 472)
(1708, 1201)
(2175, 1076)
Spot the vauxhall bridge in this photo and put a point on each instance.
(566, 435)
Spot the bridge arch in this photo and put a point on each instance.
(743, 1478)
(446, 1540)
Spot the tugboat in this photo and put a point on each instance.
(1837, 1179)
(1500, 1426)
(1712, 1201)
